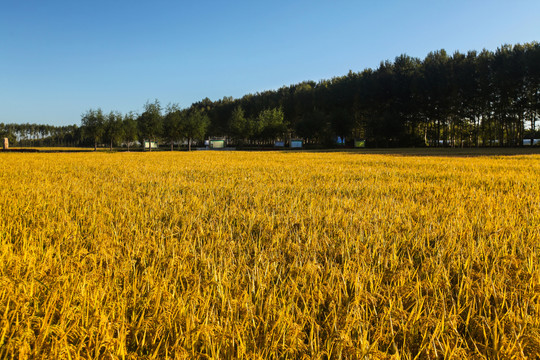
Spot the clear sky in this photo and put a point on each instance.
(61, 58)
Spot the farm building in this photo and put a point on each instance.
(296, 143)
(529, 142)
(216, 144)
(148, 145)
(359, 143)
(279, 143)
(340, 140)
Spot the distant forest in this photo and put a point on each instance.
(460, 100)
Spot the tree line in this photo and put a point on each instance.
(153, 125)
(40, 134)
(172, 125)
(474, 99)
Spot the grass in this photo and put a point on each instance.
(269, 255)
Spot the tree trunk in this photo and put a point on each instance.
(189, 144)
(95, 145)
(438, 132)
(533, 123)
(476, 130)
(172, 146)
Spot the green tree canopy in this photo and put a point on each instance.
(172, 124)
(93, 123)
(194, 125)
(150, 122)
(114, 128)
(130, 132)
(239, 125)
(271, 124)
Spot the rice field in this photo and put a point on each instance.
(257, 255)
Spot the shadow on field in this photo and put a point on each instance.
(450, 152)
(34, 150)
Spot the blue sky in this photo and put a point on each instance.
(61, 58)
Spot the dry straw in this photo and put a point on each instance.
(269, 255)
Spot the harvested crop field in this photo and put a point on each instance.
(269, 255)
